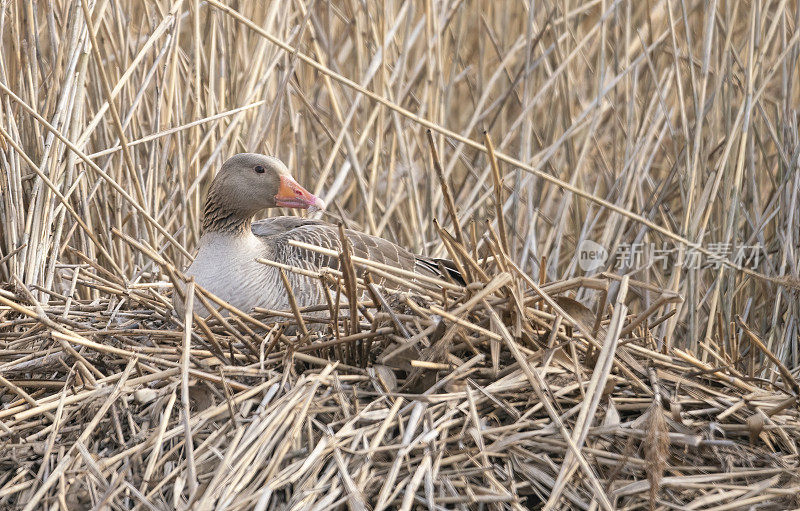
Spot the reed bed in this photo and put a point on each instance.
(512, 138)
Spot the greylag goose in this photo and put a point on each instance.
(231, 241)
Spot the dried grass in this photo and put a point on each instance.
(488, 133)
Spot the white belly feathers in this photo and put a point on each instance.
(226, 266)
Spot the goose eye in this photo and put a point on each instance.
(259, 169)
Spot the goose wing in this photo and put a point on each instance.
(279, 231)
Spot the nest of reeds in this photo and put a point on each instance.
(506, 392)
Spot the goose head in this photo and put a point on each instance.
(248, 183)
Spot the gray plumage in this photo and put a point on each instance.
(279, 231)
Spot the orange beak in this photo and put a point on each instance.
(292, 195)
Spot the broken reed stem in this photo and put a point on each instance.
(454, 254)
(448, 199)
(498, 191)
(293, 303)
(185, 404)
(785, 373)
(349, 275)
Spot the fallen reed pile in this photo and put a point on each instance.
(505, 392)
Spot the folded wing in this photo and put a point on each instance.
(278, 231)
